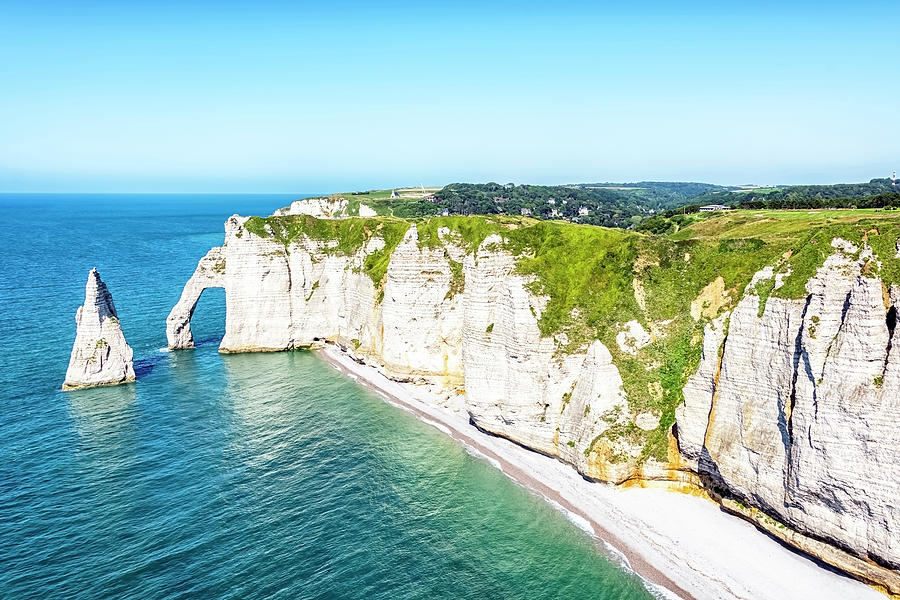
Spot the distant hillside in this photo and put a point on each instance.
(647, 205)
(593, 205)
(839, 195)
(661, 194)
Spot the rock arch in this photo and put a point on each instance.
(210, 272)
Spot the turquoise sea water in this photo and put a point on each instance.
(245, 476)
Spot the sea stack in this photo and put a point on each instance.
(100, 355)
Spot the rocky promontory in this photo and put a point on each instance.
(100, 355)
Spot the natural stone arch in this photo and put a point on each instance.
(210, 272)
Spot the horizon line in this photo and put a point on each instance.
(249, 193)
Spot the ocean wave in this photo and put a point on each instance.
(576, 519)
(478, 454)
(438, 426)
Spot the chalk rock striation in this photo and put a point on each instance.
(100, 355)
(800, 421)
(789, 417)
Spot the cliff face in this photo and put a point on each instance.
(789, 419)
(100, 355)
(802, 415)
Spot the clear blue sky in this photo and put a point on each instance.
(282, 97)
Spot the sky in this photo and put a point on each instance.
(290, 97)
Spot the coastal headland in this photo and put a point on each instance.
(743, 356)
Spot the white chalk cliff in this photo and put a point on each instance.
(798, 418)
(100, 355)
(790, 419)
(326, 208)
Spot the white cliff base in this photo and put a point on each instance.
(100, 355)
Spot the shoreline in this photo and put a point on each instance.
(680, 545)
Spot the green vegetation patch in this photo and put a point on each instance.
(457, 279)
(585, 272)
(312, 290)
(883, 238)
(807, 236)
(350, 236)
(763, 289)
(466, 232)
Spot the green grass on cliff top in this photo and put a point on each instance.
(350, 234)
(587, 274)
(807, 235)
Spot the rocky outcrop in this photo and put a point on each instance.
(321, 208)
(332, 207)
(100, 355)
(789, 419)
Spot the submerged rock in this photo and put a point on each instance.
(100, 355)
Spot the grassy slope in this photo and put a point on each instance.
(587, 273)
(807, 234)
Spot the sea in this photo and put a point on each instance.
(232, 476)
